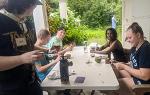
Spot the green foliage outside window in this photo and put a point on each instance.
(84, 18)
(97, 13)
(74, 32)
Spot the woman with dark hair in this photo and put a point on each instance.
(139, 70)
(113, 45)
(17, 75)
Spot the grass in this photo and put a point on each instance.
(98, 35)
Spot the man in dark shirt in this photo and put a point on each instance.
(17, 75)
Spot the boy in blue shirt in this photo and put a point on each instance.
(43, 67)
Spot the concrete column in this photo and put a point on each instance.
(136, 11)
(63, 9)
(40, 17)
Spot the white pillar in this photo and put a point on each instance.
(63, 9)
(126, 19)
(40, 17)
(136, 11)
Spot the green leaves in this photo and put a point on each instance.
(96, 13)
(82, 14)
(74, 32)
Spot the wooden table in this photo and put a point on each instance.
(98, 76)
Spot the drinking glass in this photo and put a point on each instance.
(85, 47)
(56, 46)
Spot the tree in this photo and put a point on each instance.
(74, 32)
(96, 13)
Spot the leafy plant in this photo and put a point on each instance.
(96, 13)
(87, 19)
(74, 32)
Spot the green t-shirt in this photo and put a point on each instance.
(54, 42)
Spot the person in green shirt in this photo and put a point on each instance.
(56, 42)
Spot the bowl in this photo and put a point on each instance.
(98, 59)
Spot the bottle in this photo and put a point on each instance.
(85, 47)
(96, 46)
(64, 72)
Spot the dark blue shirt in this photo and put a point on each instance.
(141, 59)
(10, 30)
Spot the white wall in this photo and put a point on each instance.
(141, 14)
(40, 17)
(136, 11)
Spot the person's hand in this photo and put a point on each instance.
(69, 48)
(113, 61)
(119, 66)
(58, 58)
(73, 44)
(30, 57)
(52, 51)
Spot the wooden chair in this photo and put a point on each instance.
(141, 89)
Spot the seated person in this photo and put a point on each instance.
(42, 35)
(43, 67)
(56, 42)
(113, 45)
(139, 70)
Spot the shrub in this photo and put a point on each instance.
(74, 32)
